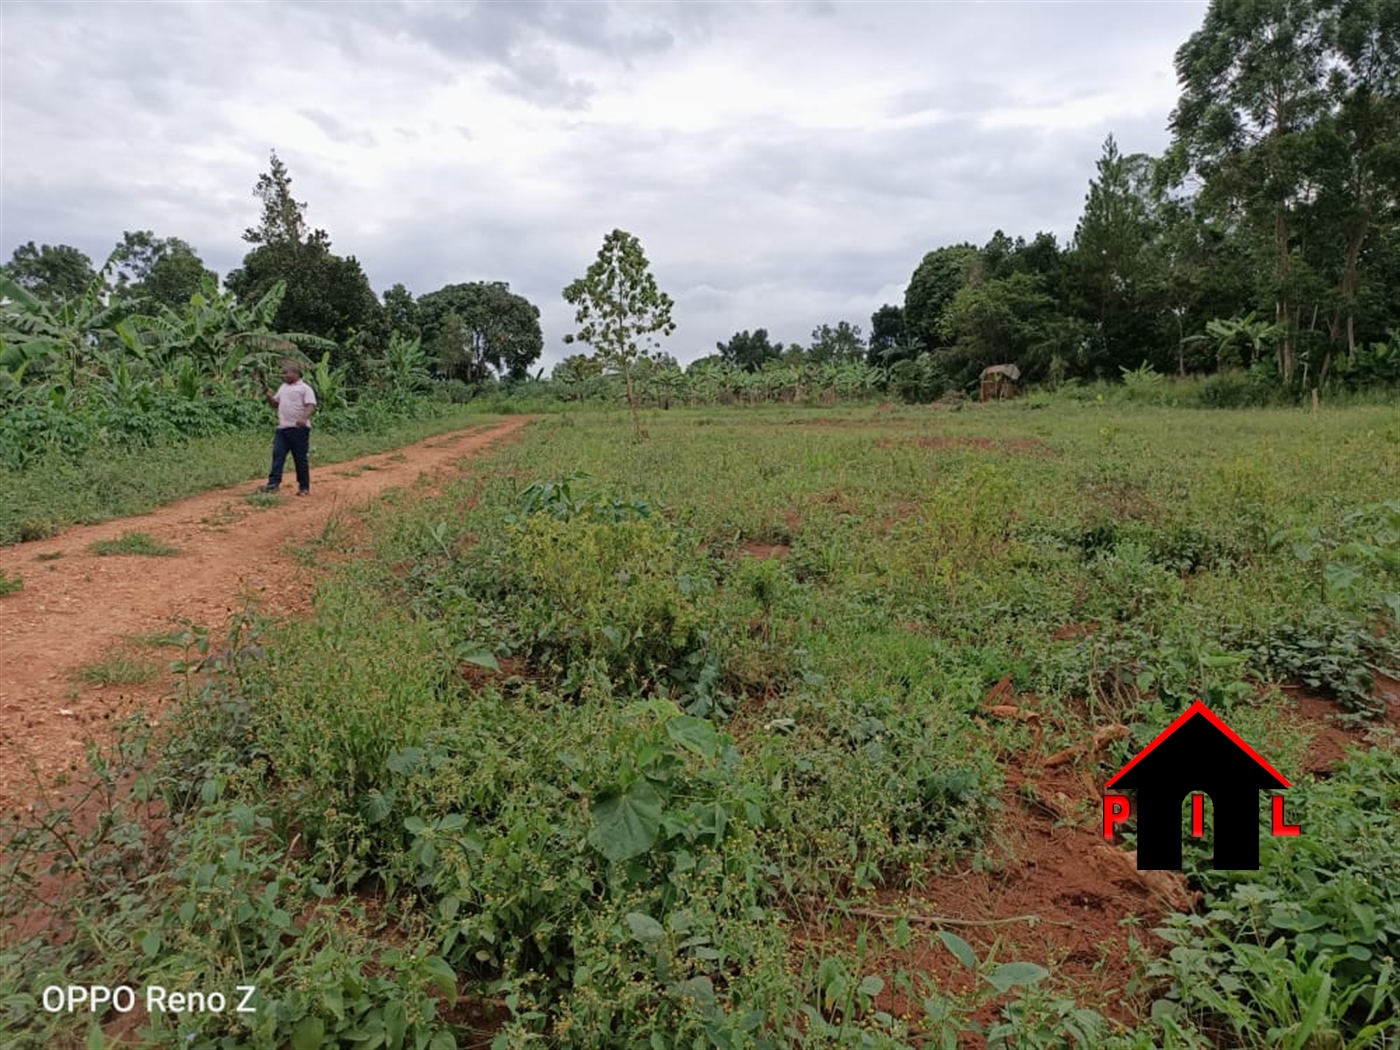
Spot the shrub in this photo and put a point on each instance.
(1259, 387)
(617, 597)
(1307, 943)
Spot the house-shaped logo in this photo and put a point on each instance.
(1199, 755)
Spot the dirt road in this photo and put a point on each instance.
(78, 609)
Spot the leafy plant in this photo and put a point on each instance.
(1326, 653)
(1355, 564)
(562, 501)
(1143, 383)
(1301, 953)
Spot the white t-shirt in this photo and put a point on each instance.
(292, 402)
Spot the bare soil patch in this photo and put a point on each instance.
(1332, 737)
(79, 608)
(1047, 891)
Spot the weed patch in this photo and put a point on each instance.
(137, 543)
(120, 669)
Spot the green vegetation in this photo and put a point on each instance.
(134, 543)
(627, 743)
(120, 669)
(133, 384)
(53, 495)
(619, 310)
(705, 740)
(10, 584)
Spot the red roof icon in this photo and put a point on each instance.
(1273, 778)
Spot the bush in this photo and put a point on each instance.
(31, 431)
(1310, 938)
(453, 391)
(593, 591)
(1257, 388)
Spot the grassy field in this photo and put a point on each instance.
(46, 498)
(779, 728)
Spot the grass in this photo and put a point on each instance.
(129, 542)
(221, 518)
(120, 669)
(163, 640)
(262, 500)
(564, 740)
(44, 500)
(49, 556)
(10, 584)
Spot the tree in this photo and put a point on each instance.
(1041, 255)
(619, 309)
(401, 312)
(283, 217)
(886, 336)
(60, 338)
(1201, 270)
(577, 368)
(1247, 125)
(749, 351)
(327, 295)
(839, 345)
(54, 273)
(999, 321)
(1360, 187)
(1109, 261)
(579, 375)
(162, 270)
(456, 351)
(1230, 334)
(936, 280)
(498, 331)
(225, 339)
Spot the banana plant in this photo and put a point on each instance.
(404, 366)
(59, 339)
(232, 343)
(329, 384)
(1250, 328)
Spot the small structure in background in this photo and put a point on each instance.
(999, 381)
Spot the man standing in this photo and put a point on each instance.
(294, 401)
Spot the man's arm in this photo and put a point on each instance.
(306, 417)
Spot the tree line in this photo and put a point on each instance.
(469, 331)
(1266, 238)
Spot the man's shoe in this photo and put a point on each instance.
(269, 488)
(303, 492)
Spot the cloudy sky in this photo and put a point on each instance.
(784, 164)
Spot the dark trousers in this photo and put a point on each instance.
(296, 440)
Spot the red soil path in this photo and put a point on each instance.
(77, 609)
